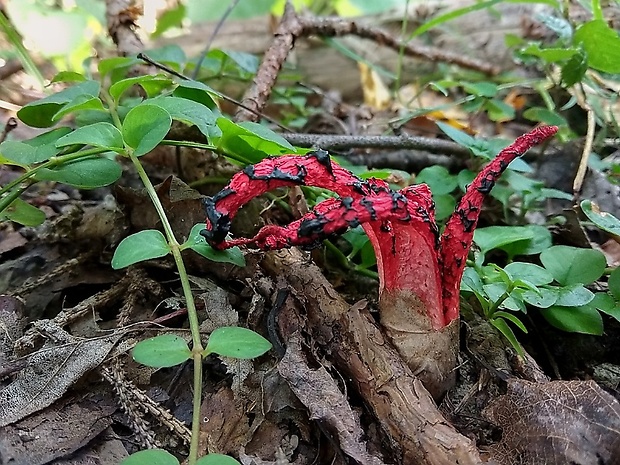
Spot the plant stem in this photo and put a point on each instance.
(197, 145)
(348, 264)
(194, 325)
(499, 301)
(187, 143)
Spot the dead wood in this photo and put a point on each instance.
(408, 415)
(121, 16)
(339, 142)
(293, 26)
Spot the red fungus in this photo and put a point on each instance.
(419, 271)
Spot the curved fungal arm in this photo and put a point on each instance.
(459, 233)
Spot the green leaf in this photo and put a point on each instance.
(20, 153)
(512, 318)
(481, 89)
(23, 213)
(614, 283)
(500, 111)
(574, 295)
(606, 304)
(504, 277)
(586, 319)
(84, 173)
(544, 115)
(251, 141)
(601, 44)
(170, 18)
(152, 85)
(603, 220)
(98, 135)
(139, 247)
(245, 61)
(574, 69)
(453, 14)
(171, 55)
(471, 281)
(150, 457)
(572, 265)
(198, 244)
(166, 350)
(438, 178)
(40, 113)
(457, 136)
(544, 298)
(444, 206)
(68, 76)
(357, 238)
(81, 102)
(530, 272)
(217, 459)
(108, 65)
(231, 341)
(550, 55)
(541, 240)
(266, 134)
(198, 92)
(512, 302)
(508, 333)
(35, 150)
(189, 112)
(486, 149)
(497, 237)
(144, 127)
(603, 301)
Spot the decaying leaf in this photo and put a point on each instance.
(51, 371)
(558, 422)
(326, 403)
(58, 431)
(224, 427)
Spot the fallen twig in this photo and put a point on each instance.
(293, 26)
(339, 142)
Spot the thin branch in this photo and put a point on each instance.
(292, 27)
(145, 58)
(340, 142)
(255, 98)
(587, 147)
(121, 16)
(218, 26)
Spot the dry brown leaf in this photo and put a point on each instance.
(318, 391)
(58, 431)
(558, 422)
(224, 427)
(51, 371)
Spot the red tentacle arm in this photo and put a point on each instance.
(314, 169)
(457, 238)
